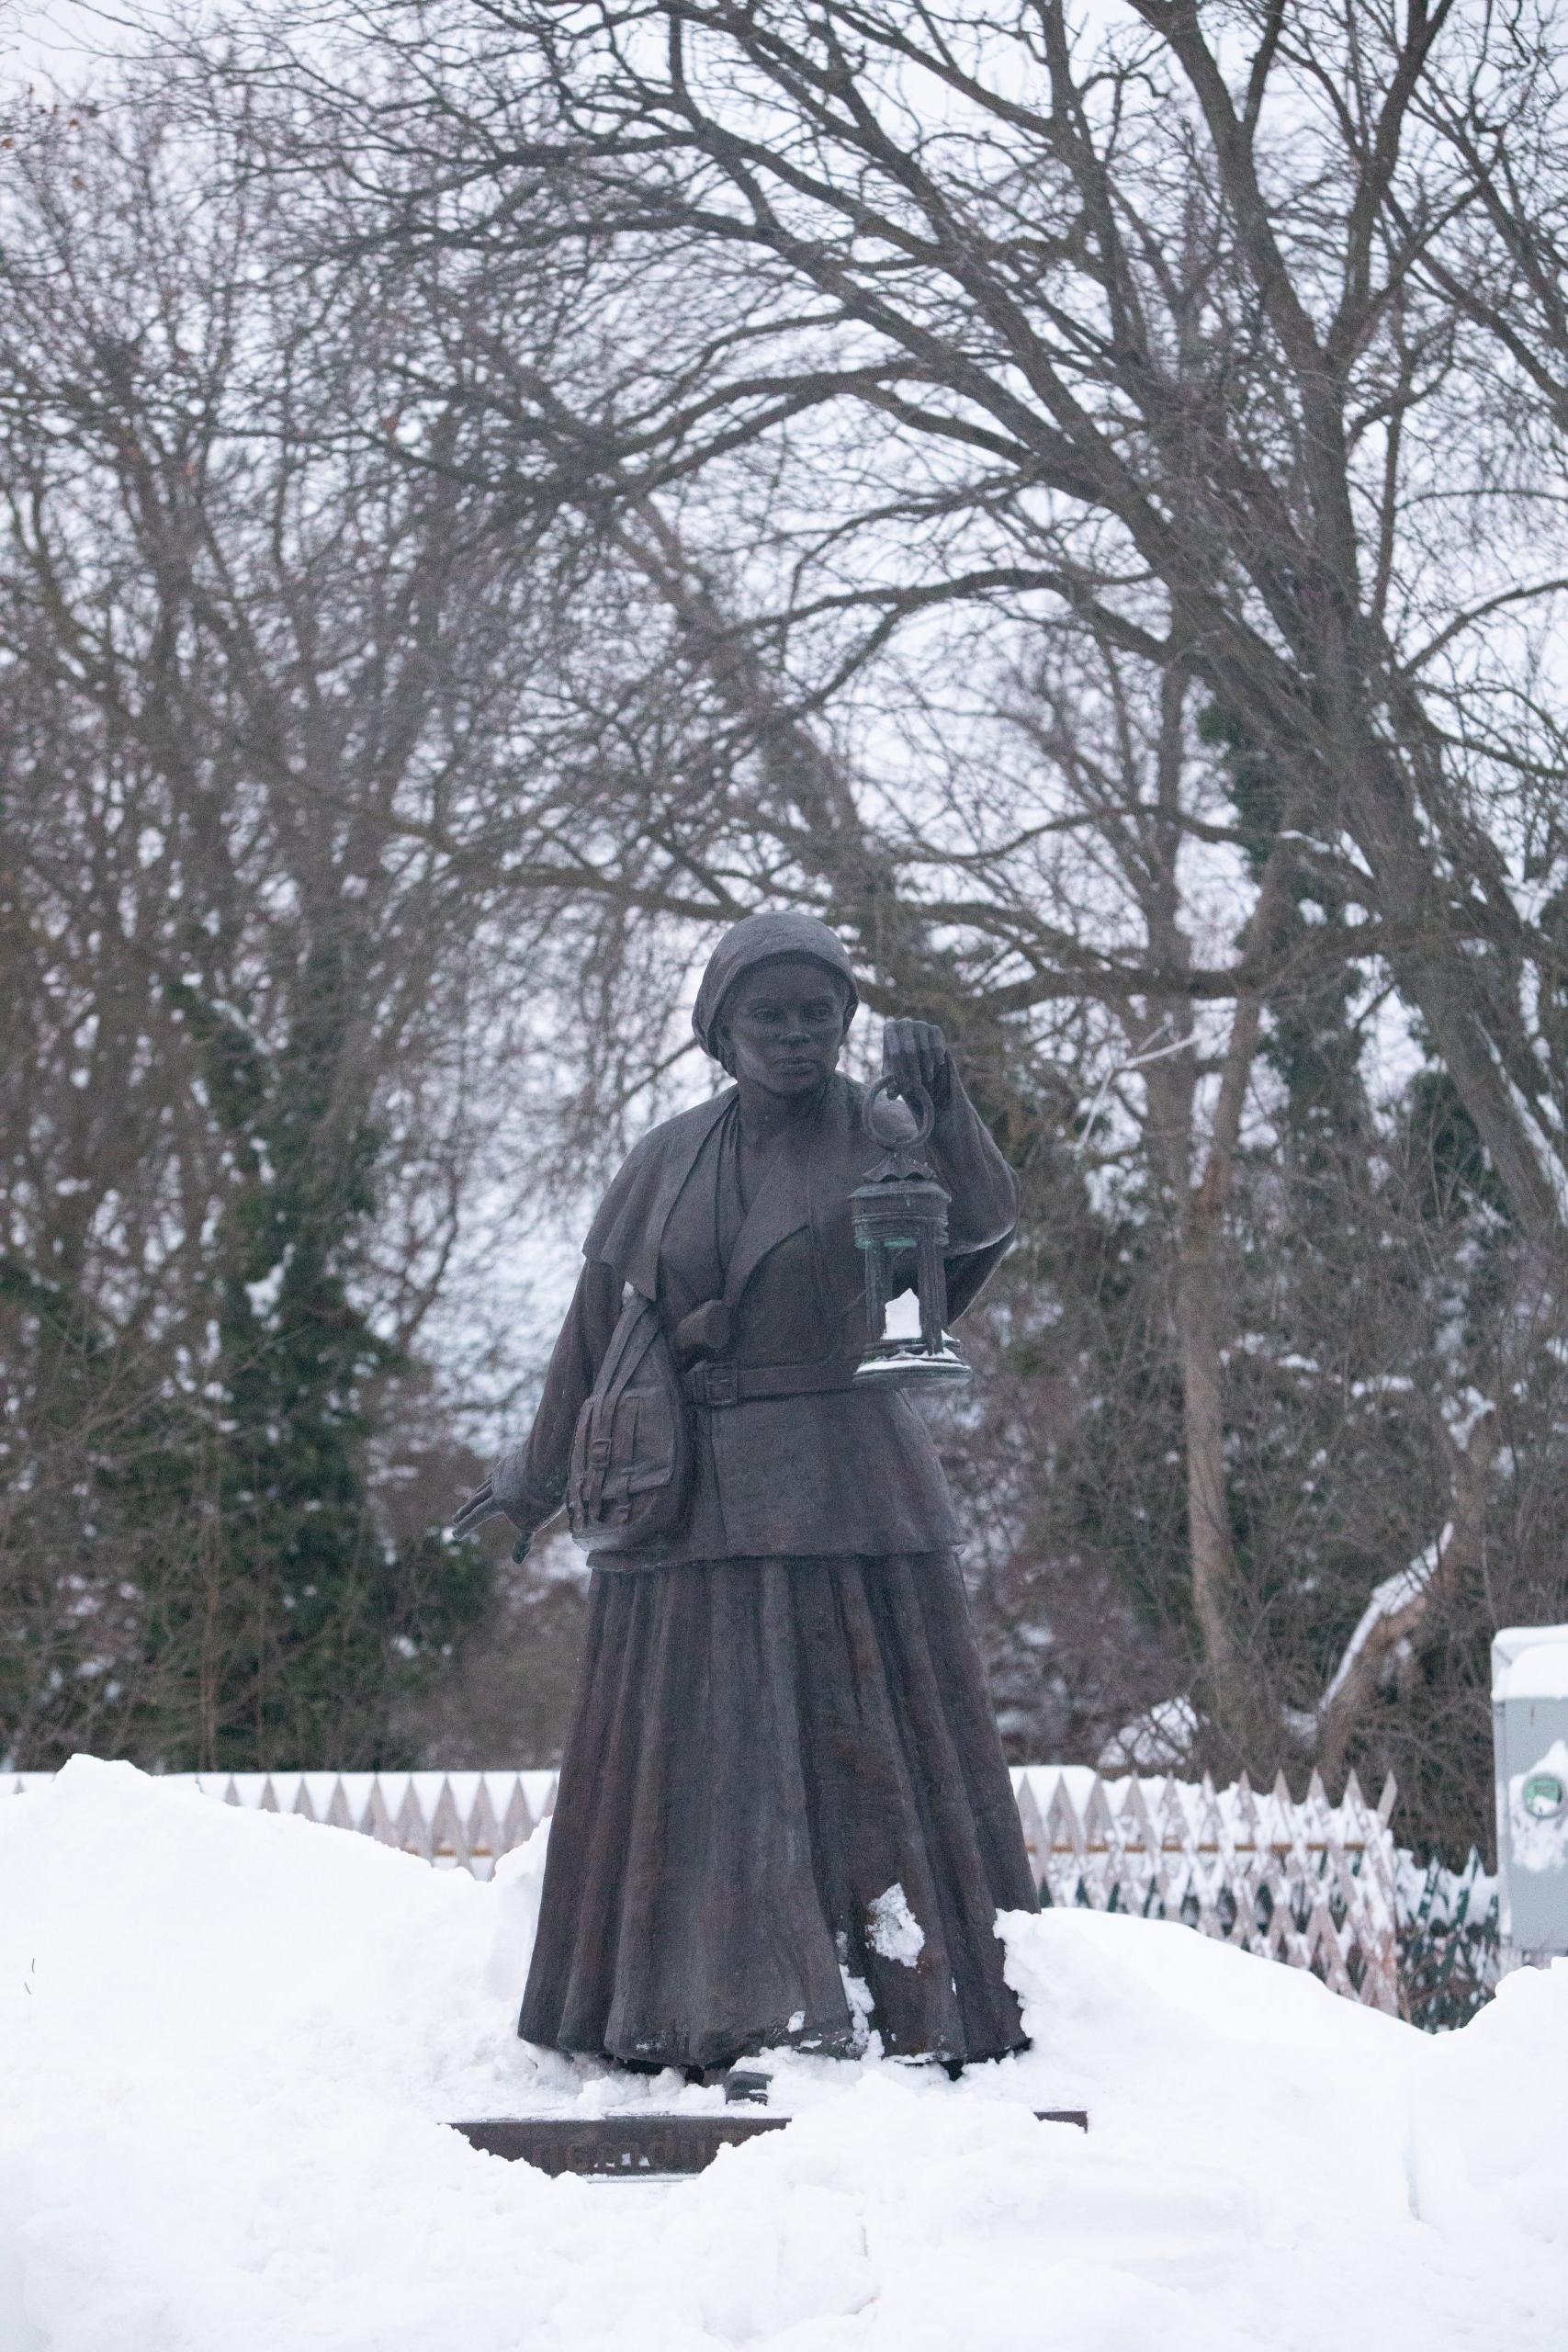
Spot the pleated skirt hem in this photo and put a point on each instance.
(783, 1819)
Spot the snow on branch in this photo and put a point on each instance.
(1384, 1642)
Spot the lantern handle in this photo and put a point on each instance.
(916, 1100)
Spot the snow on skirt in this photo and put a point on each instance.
(761, 1754)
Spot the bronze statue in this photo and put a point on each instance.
(782, 1782)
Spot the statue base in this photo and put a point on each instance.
(643, 2147)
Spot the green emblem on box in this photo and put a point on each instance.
(1543, 1795)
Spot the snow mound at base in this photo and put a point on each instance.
(227, 2041)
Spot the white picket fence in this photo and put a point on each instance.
(1306, 1882)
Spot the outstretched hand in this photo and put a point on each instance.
(914, 1054)
(480, 1506)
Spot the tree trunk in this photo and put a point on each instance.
(1398, 1617)
(1211, 1545)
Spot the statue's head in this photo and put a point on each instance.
(776, 1002)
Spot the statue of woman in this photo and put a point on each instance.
(783, 1792)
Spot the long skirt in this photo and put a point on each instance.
(783, 1816)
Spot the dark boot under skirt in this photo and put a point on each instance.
(760, 1753)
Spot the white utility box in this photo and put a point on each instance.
(1529, 1734)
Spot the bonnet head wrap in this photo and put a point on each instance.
(757, 939)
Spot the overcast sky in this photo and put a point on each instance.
(55, 41)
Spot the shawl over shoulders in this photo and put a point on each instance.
(630, 1219)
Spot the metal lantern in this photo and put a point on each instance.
(902, 1208)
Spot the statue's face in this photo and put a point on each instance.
(785, 1024)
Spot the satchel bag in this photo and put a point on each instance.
(632, 1451)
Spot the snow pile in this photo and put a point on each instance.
(895, 1932)
(1537, 1670)
(227, 2039)
(1159, 1740)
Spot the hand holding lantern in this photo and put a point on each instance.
(915, 1060)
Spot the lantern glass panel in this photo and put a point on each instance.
(900, 1215)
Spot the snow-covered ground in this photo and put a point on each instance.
(227, 2039)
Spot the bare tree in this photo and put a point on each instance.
(1035, 494)
(1154, 324)
(253, 667)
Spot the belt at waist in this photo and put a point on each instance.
(746, 1384)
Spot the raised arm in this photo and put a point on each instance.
(528, 1483)
(984, 1208)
